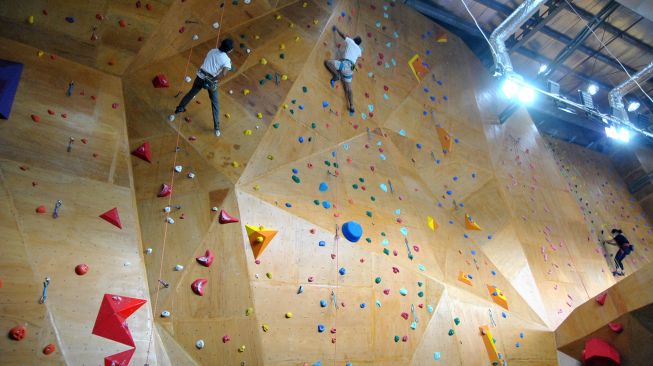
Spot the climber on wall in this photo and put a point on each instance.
(216, 65)
(344, 67)
(624, 249)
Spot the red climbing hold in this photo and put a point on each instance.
(111, 321)
(112, 217)
(143, 152)
(36, 118)
(122, 23)
(598, 352)
(165, 191)
(207, 259)
(18, 332)
(601, 298)
(49, 349)
(198, 286)
(81, 269)
(119, 359)
(160, 81)
(40, 209)
(616, 327)
(225, 218)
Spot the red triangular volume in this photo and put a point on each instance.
(110, 322)
(143, 152)
(112, 217)
(225, 218)
(119, 359)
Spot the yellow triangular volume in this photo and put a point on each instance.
(445, 140)
(470, 224)
(259, 238)
(431, 223)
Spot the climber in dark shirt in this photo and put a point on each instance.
(624, 249)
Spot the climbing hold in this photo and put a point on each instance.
(81, 269)
(265, 327)
(296, 179)
(165, 190)
(288, 315)
(199, 344)
(226, 339)
(456, 321)
(263, 61)
(259, 115)
(470, 224)
(490, 345)
(616, 327)
(377, 280)
(445, 139)
(259, 238)
(49, 349)
(165, 314)
(18, 332)
(403, 291)
(342, 271)
(207, 259)
(352, 231)
(268, 275)
(160, 81)
(465, 278)
(225, 218)
(320, 328)
(498, 297)
(601, 298)
(112, 217)
(70, 19)
(241, 349)
(323, 303)
(249, 311)
(36, 118)
(143, 152)
(40, 209)
(198, 286)
(451, 332)
(179, 267)
(246, 91)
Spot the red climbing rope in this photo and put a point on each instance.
(172, 185)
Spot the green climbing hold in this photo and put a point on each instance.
(369, 240)
(304, 89)
(262, 81)
(373, 198)
(397, 338)
(292, 111)
(369, 213)
(451, 332)
(362, 180)
(386, 251)
(316, 202)
(456, 321)
(268, 76)
(294, 101)
(282, 56)
(420, 294)
(276, 125)
(377, 280)
(382, 233)
(354, 186)
(313, 125)
(420, 283)
(296, 179)
(327, 163)
(335, 164)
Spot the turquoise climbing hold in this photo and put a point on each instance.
(352, 231)
(403, 291)
(429, 308)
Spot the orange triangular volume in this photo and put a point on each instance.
(143, 152)
(464, 278)
(259, 238)
(470, 224)
(112, 217)
(119, 359)
(445, 139)
(417, 67)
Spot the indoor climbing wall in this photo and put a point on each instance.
(605, 202)
(64, 161)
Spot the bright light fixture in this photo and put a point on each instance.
(633, 106)
(621, 134)
(526, 94)
(543, 68)
(509, 88)
(592, 89)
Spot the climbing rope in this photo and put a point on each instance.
(168, 222)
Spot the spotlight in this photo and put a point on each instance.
(526, 94)
(620, 134)
(509, 88)
(592, 89)
(543, 68)
(633, 106)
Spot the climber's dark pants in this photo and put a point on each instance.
(621, 254)
(212, 88)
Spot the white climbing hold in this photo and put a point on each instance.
(170, 220)
(216, 25)
(191, 175)
(166, 209)
(249, 51)
(171, 117)
(179, 168)
(199, 344)
(179, 267)
(127, 264)
(214, 209)
(231, 91)
(165, 314)
(247, 2)
(188, 79)
(148, 251)
(195, 37)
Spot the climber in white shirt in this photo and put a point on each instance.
(344, 67)
(216, 65)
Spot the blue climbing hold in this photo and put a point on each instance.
(301, 107)
(352, 231)
(419, 146)
(473, 252)
(326, 204)
(295, 170)
(320, 328)
(323, 187)
(325, 104)
(322, 243)
(323, 303)
(494, 273)
(342, 271)
(70, 19)
(455, 179)
(363, 306)
(301, 139)
(288, 205)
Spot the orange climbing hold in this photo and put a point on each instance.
(491, 348)
(445, 140)
(143, 152)
(498, 297)
(259, 238)
(470, 224)
(112, 217)
(465, 278)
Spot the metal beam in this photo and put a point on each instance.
(530, 28)
(571, 47)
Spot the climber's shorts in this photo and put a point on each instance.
(346, 69)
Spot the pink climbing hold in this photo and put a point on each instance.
(225, 218)
(616, 327)
(160, 81)
(226, 339)
(143, 152)
(198, 286)
(207, 259)
(113, 217)
(601, 298)
(115, 105)
(165, 191)
(404, 315)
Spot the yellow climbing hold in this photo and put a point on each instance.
(259, 115)
(284, 77)
(30, 19)
(241, 349)
(263, 61)
(284, 106)
(265, 327)
(256, 187)
(259, 239)
(297, 39)
(288, 315)
(246, 92)
(269, 274)
(277, 17)
(431, 223)
(316, 22)
(257, 37)
(282, 46)
(305, 4)
(249, 311)
(291, 25)
(235, 164)
(247, 132)
(270, 157)
(40, 53)
(227, 115)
